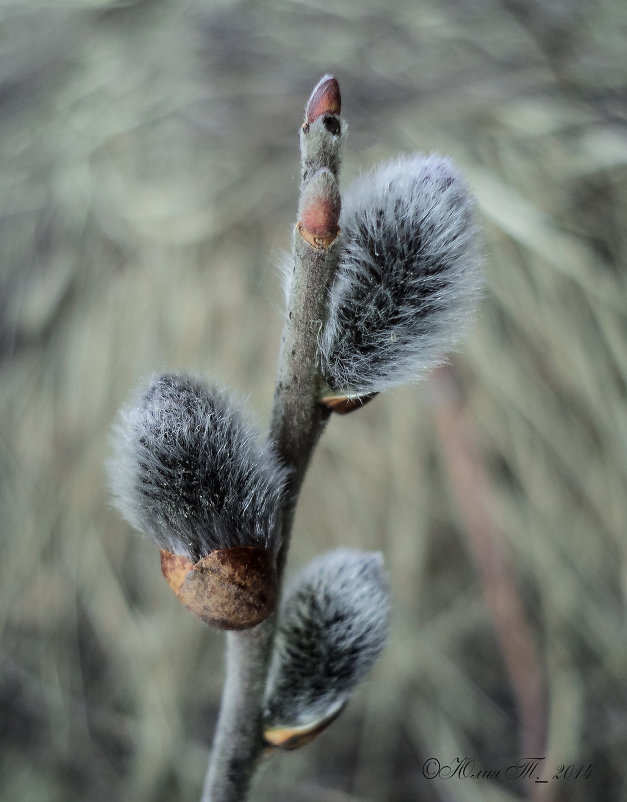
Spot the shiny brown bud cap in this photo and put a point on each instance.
(325, 99)
(294, 737)
(234, 588)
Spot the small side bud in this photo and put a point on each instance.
(325, 99)
(407, 279)
(332, 627)
(319, 209)
(189, 471)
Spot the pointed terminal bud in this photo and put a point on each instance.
(190, 471)
(325, 99)
(332, 627)
(319, 210)
(407, 279)
(323, 131)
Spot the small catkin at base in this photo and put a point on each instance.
(332, 627)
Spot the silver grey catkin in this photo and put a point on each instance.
(189, 471)
(332, 627)
(408, 275)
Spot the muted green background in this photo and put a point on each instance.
(148, 169)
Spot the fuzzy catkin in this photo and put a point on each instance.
(189, 471)
(407, 278)
(332, 627)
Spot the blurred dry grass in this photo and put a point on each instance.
(148, 160)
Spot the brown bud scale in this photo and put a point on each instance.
(234, 588)
(343, 405)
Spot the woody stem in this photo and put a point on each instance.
(297, 422)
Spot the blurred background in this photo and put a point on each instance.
(148, 175)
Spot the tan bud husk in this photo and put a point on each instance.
(234, 588)
(322, 242)
(296, 736)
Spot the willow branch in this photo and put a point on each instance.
(297, 421)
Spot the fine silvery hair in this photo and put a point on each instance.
(408, 275)
(191, 472)
(332, 627)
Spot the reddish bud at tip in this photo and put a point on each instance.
(325, 99)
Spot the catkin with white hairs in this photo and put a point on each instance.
(332, 627)
(408, 275)
(190, 471)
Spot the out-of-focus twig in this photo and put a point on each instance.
(500, 588)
